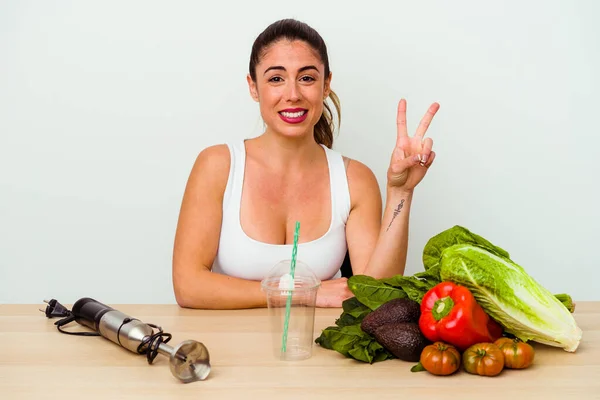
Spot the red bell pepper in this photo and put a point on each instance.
(450, 314)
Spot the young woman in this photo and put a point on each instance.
(242, 200)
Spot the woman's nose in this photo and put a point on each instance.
(293, 92)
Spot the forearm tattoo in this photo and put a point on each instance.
(396, 212)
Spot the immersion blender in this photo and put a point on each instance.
(189, 361)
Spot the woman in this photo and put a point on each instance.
(242, 200)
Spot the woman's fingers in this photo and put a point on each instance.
(426, 120)
(429, 160)
(401, 129)
(402, 165)
(403, 147)
(426, 150)
(333, 292)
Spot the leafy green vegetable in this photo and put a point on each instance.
(566, 300)
(503, 289)
(509, 295)
(418, 367)
(352, 342)
(368, 350)
(432, 253)
(346, 337)
(354, 307)
(354, 312)
(373, 292)
(431, 275)
(414, 288)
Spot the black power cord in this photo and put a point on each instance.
(55, 310)
(149, 345)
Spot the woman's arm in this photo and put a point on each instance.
(378, 246)
(197, 240)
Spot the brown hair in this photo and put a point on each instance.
(292, 29)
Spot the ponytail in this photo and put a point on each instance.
(325, 126)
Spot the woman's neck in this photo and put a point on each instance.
(284, 153)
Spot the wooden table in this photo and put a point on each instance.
(38, 362)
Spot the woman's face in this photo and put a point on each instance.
(290, 86)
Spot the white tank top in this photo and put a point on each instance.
(243, 257)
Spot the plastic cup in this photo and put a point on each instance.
(301, 292)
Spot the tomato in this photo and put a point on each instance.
(517, 354)
(484, 359)
(440, 358)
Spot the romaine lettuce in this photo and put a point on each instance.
(505, 291)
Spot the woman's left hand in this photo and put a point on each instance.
(412, 155)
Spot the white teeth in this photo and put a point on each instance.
(293, 115)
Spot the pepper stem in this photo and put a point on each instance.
(442, 307)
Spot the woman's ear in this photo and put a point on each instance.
(327, 88)
(252, 87)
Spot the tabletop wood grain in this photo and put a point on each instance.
(38, 362)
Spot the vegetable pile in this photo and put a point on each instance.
(471, 299)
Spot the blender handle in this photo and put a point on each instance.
(89, 312)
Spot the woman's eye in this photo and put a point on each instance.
(276, 79)
(307, 78)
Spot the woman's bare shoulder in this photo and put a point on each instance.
(216, 156)
(212, 166)
(358, 172)
(361, 181)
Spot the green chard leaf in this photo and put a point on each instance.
(353, 314)
(354, 307)
(418, 367)
(368, 350)
(340, 339)
(352, 342)
(347, 320)
(414, 288)
(383, 355)
(373, 292)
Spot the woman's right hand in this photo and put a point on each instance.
(333, 292)
(412, 155)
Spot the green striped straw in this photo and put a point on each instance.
(288, 304)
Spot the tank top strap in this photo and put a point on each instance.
(340, 192)
(233, 192)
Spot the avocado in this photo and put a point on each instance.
(403, 339)
(396, 310)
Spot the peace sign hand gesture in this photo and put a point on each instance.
(412, 155)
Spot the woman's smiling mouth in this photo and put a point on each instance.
(293, 115)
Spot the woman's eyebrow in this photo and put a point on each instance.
(281, 68)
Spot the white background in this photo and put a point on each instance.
(105, 105)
